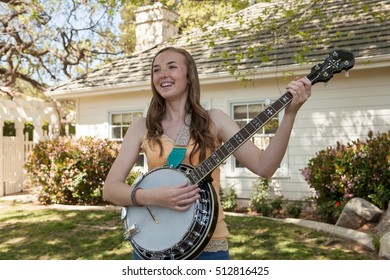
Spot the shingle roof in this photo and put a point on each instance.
(366, 34)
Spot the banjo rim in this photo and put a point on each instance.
(208, 196)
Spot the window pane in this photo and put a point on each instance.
(137, 115)
(261, 141)
(124, 129)
(254, 110)
(126, 118)
(240, 112)
(271, 126)
(116, 119)
(116, 132)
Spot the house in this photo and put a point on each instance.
(110, 97)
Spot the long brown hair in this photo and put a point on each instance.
(200, 121)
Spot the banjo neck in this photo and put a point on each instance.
(207, 166)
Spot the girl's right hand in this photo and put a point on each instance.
(178, 197)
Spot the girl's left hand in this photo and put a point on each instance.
(300, 88)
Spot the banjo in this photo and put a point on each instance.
(165, 234)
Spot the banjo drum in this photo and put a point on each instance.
(162, 233)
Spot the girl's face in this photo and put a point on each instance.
(170, 75)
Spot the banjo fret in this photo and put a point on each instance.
(246, 132)
(220, 153)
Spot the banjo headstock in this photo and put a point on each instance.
(336, 62)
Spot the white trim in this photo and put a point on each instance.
(97, 91)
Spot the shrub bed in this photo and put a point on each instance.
(69, 170)
(357, 169)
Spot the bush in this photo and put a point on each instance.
(330, 211)
(276, 205)
(294, 209)
(263, 208)
(260, 193)
(358, 169)
(228, 198)
(133, 175)
(70, 171)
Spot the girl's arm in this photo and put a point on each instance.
(115, 189)
(265, 163)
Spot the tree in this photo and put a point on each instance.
(44, 42)
(192, 14)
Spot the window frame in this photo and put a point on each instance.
(122, 125)
(141, 157)
(236, 171)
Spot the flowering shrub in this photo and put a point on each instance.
(228, 198)
(358, 169)
(70, 171)
(258, 199)
(330, 211)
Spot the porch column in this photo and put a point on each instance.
(19, 125)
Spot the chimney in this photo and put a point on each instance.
(154, 25)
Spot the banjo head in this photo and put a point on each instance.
(162, 233)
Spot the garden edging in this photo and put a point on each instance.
(365, 239)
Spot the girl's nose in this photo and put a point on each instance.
(163, 73)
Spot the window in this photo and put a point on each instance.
(243, 113)
(120, 121)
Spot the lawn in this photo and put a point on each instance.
(30, 233)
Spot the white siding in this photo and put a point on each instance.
(344, 110)
(93, 112)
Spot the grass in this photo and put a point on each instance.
(29, 233)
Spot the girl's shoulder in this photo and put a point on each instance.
(140, 122)
(218, 116)
(215, 113)
(224, 125)
(137, 129)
